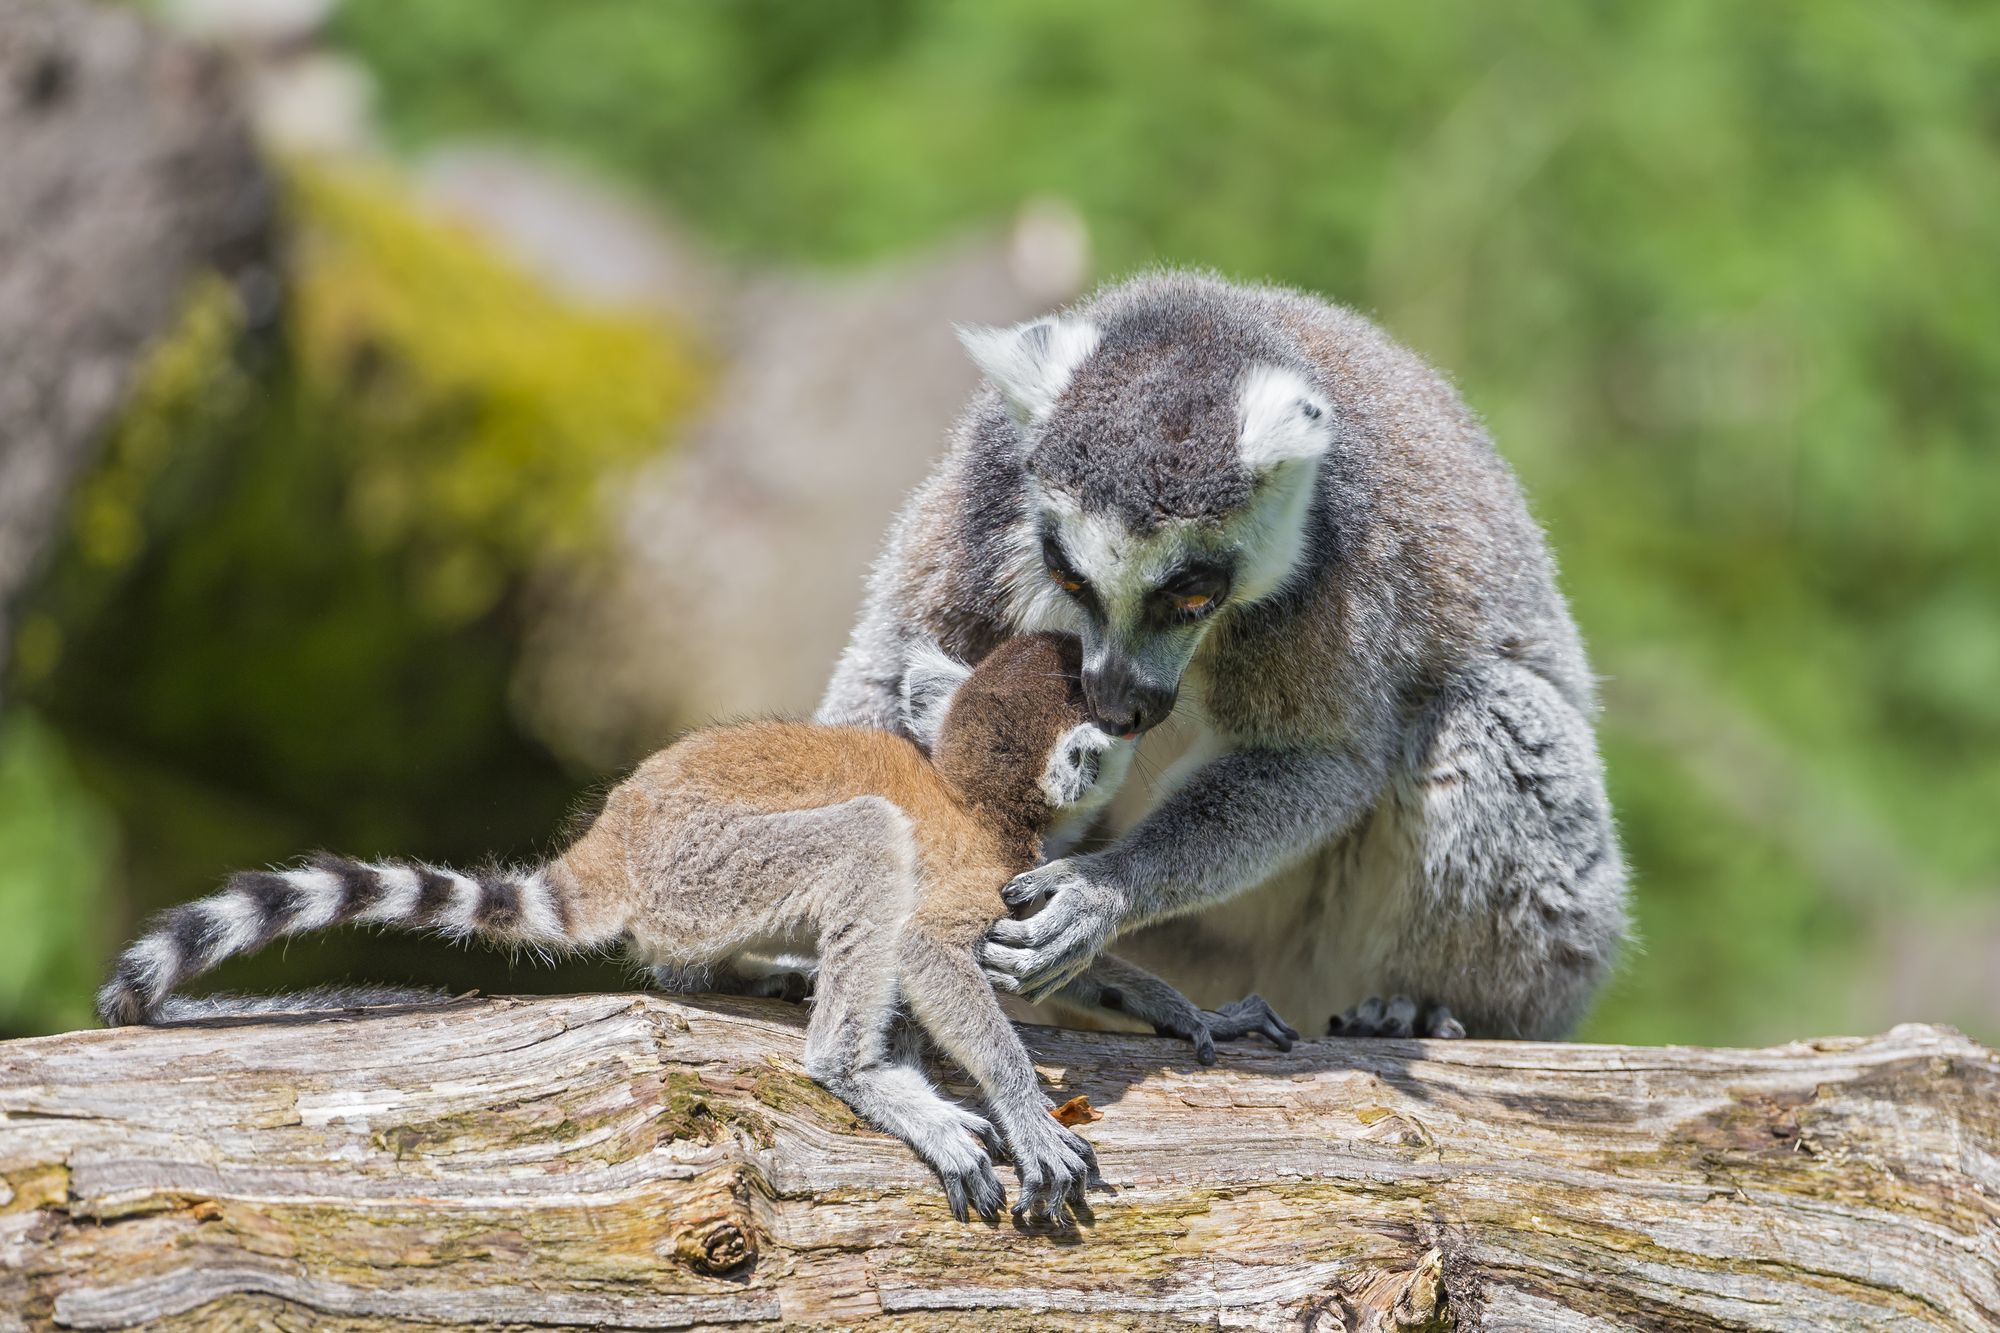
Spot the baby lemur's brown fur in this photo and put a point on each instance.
(777, 837)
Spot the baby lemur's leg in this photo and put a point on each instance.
(948, 993)
(861, 860)
(1124, 988)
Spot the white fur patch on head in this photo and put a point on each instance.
(1031, 364)
(931, 676)
(1287, 430)
(1033, 602)
(1284, 420)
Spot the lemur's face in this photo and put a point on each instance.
(1166, 483)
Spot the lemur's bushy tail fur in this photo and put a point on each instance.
(514, 907)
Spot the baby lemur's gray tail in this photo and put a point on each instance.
(516, 907)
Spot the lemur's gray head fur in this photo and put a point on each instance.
(1171, 448)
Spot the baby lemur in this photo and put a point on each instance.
(771, 837)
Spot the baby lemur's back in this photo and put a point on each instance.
(776, 837)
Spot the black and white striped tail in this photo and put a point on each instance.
(517, 907)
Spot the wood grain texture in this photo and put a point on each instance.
(632, 1161)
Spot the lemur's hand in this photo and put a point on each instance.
(1039, 955)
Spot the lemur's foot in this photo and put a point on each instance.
(1056, 1167)
(1400, 1016)
(1250, 1015)
(1203, 1028)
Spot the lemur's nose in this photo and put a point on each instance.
(1124, 723)
(1122, 703)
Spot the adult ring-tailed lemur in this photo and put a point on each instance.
(1285, 533)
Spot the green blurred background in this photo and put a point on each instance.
(1723, 279)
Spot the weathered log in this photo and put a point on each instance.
(636, 1161)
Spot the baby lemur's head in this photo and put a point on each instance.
(1013, 734)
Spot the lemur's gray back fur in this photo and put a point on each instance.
(1417, 632)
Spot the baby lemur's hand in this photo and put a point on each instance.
(1075, 765)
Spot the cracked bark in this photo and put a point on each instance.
(641, 1162)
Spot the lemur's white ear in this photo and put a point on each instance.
(1031, 363)
(930, 679)
(1284, 419)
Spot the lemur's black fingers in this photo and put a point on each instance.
(1034, 1206)
(1061, 962)
(1438, 1021)
(1363, 1020)
(1251, 1015)
(1399, 1016)
(1055, 981)
(1053, 1206)
(954, 1193)
(1201, 1038)
(1280, 1033)
(1259, 1017)
(1025, 888)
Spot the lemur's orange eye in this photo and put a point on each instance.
(1065, 580)
(1193, 602)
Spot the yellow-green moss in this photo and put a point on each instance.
(489, 413)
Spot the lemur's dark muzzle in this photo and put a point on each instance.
(1123, 702)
